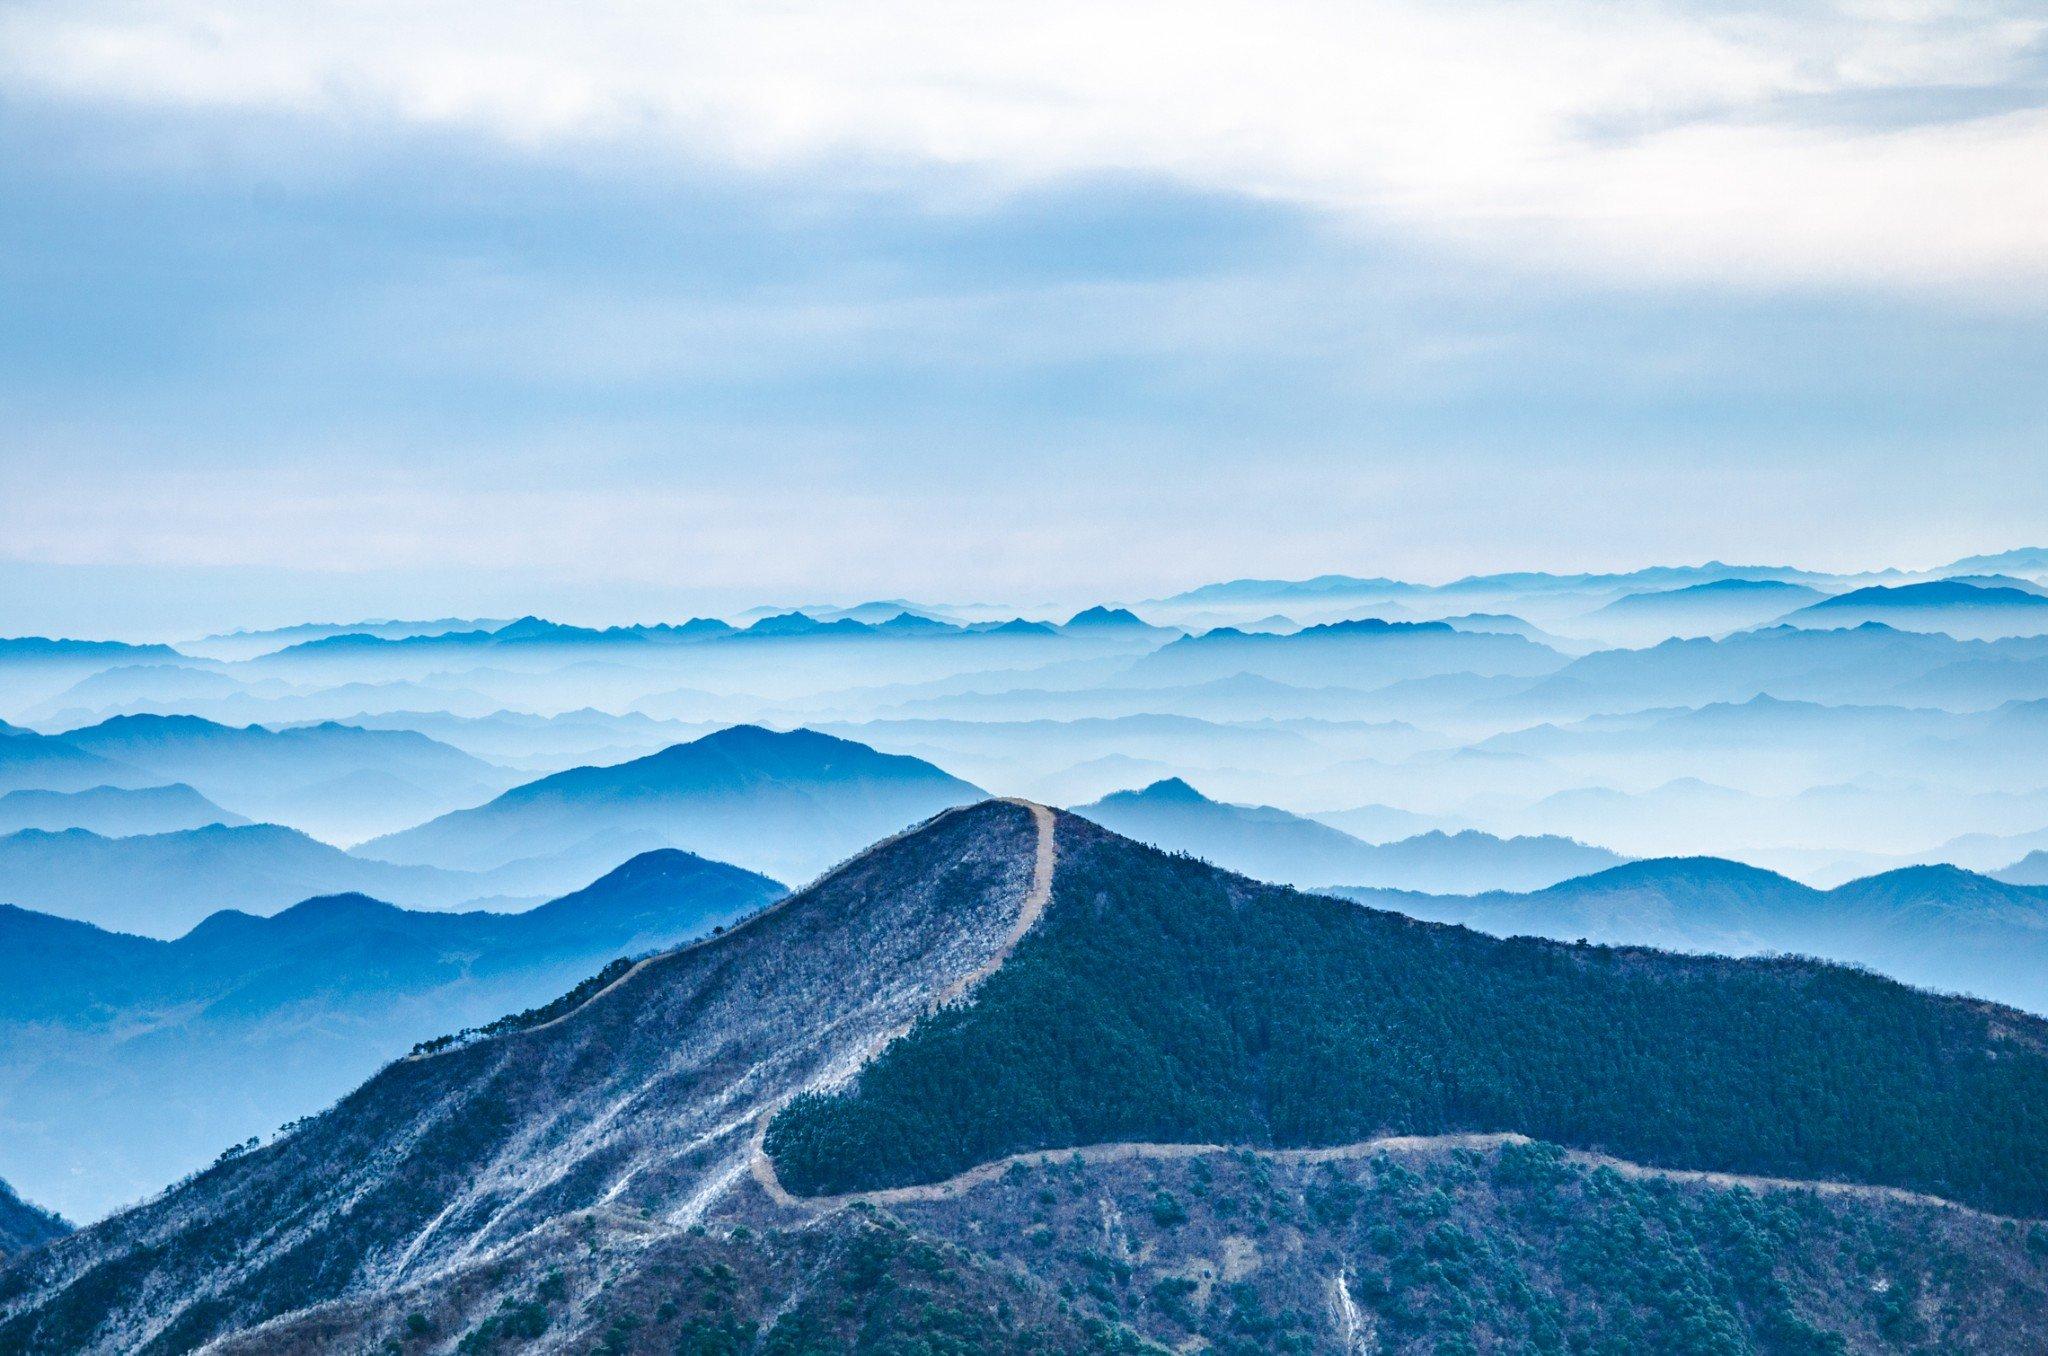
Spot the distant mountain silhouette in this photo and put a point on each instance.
(112, 811)
(1375, 823)
(2031, 560)
(1280, 592)
(789, 804)
(160, 884)
(1271, 844)
(248, 644)
(2031, 869)
(119, 689)
(1117, 619)
(130, 1058)
(1863, 663)
(1717, 606)
(35, 668)
(1961, 609)
(331, 779)
(1364, 653)
(1935, 926)
(525, 632)
(31, 761)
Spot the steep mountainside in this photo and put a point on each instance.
(644, 1097)
(787, 804)
(24, 1226)
(126, 1060)
(594, 1176)
(1936, 926)
(1274, 845)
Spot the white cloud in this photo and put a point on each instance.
(1498, 127)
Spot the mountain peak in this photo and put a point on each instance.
(783, 802)
(1101, 618)
(1167, 790)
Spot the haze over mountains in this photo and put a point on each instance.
(1493, 750)
(791, 803)
(1271, 844)
(1935, 926)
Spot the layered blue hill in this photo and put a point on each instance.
(1969, 610)
(112, 811)
(788, 803)
(1272, 844)
(1936, 926)
(131, 1060)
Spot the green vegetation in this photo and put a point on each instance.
(1161, 999)
(1514, 1250)
(895, 1293)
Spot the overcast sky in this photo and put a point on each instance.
(621, 310)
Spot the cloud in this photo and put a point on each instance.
(1867, 143)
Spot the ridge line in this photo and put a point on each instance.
(1124, 1150)
(1044, 859)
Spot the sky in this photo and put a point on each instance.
(617, 311)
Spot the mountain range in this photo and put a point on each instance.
(1012, 1082)
(1936, 926)
(1361, 653)
(125, 1061)
(1271, 844)
(1709, 609)
(161, 884)
(34, 668)
(112, 811)
(1966, 609)
(336, 781)
(1871, 662)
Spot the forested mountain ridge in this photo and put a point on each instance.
(1219, 1010)
(583, 1179)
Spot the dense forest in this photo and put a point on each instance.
(1220, 1010)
